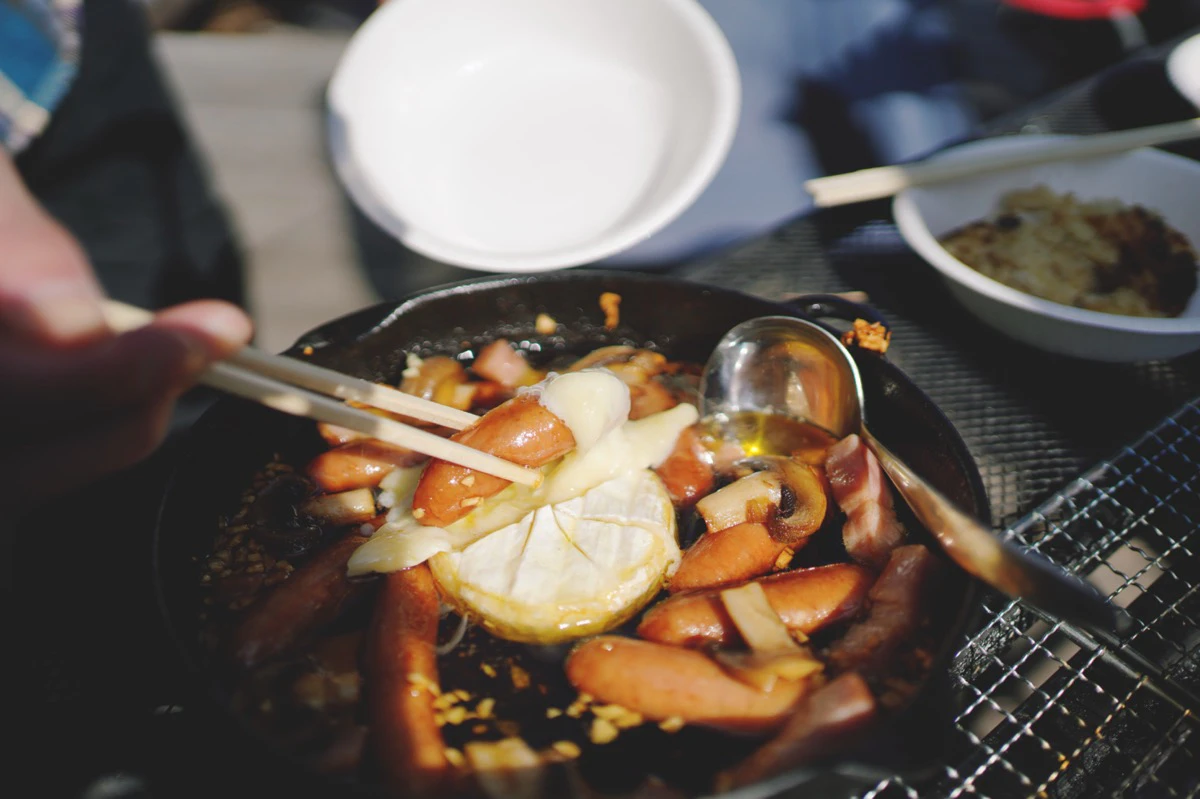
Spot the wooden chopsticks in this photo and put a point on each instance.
(872, 184)
(283, 383)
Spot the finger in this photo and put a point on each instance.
(219, 327)
(70, 458)
(47, 387)
(48, 292)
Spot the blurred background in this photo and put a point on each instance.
(829, 86)
(823, 96)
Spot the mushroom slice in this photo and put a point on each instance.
(785, 494)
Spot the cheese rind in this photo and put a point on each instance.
(576, 568)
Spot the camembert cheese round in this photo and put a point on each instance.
(575, 568)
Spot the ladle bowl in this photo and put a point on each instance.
(782, 365)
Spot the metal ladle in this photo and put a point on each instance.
(781, 365)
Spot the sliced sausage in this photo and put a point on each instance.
(402, 682)
(650, 398)
(438, 378)
(829, 719)
(359, 464)
(312, 597)
(520, 430)
(806, 600)
(725, 557)
(686, 473)
(663, 682)
(899, 603)
(503, 364)
(335, 435)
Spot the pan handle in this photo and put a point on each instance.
(820, 306)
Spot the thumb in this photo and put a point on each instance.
(208, 330)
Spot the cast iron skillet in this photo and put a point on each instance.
(682, 319)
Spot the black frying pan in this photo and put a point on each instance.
(682, 319)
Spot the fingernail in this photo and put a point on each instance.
(63, 315)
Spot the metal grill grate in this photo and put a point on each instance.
(1046, 713)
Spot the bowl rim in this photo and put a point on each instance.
(911, 223)
(724, 117)
(1182, 65)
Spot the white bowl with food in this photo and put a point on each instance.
(529, 135)
(1075, 249)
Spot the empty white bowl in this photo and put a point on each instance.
(1160, 181)
(527, 135)
(1183, 68)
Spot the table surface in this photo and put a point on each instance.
(111, 692)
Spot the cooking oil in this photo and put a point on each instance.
(768, 434)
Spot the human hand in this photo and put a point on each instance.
(80, 401)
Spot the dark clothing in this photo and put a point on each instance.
(116, 167)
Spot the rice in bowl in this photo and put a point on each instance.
(1100, 255)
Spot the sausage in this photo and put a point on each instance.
(359, 464)
(649, 398)
(335, 435)
(438, 378)
(501, 363)
(826, 721)
(487, 394)
(685, 473)
(633, 366)
(663, 682)
(807, 600)
(636, 369)
(727, 556)
(899, 604)
(402, 679)
(312, 597)
(520, 430)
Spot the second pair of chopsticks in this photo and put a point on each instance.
(288, 385)
(873, 184)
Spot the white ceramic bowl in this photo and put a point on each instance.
(527, 135)
(1183, 68)
(1162, 182)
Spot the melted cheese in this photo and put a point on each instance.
(633, 447)
(591, 403)
(575, 556)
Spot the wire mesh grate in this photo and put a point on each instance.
(1041, 715)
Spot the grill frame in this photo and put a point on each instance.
(1046, 711)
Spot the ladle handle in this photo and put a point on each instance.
(1000, 563)
(820, 306)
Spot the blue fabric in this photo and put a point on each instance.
(26, 52)
(39, 56)
(827, 86)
